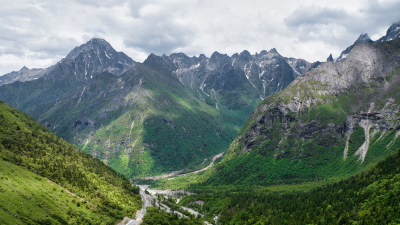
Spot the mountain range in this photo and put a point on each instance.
(284, 123)
(391, 34)
(167, 113)
(173, 112)
(22, 75)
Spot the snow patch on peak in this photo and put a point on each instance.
(294, 69)
(107, 55)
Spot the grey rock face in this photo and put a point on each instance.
(363, 38)
(362, 64)
(73, 72)
(374, 121)
(82, 63)
(256, 75)
(24, 74)
(366, 67)
(90, 59)
(301, 66)
(330, 58)
(392, 33)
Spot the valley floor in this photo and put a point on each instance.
(166, 201)
(179, 173)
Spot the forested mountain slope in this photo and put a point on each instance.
(331, 122)
(46, 180)
(371, 197)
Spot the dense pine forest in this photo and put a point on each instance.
(368, 198)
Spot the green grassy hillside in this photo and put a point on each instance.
(66, 178)
(27, 198)
(371, 197)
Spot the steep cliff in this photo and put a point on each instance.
(331, 122)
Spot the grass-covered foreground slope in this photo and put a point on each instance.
(371, 197)
(27, 198)
(43, 179)
(332, 122)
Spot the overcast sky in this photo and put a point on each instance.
(38, 33)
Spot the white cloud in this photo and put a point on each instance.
(39, 33)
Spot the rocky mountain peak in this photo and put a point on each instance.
(263, 52)
(239, 60)
(392, 33)
(90, 59)
(245, 54)
(181, 60)
(330, 58)
(217, 59)
(98, 41)
(93, 45)
(153, 59)
(24, 68)
(22, 75)
(363, 64)
(180, 55)
(270, 54)
(394, 29)
(273, 51)
(202, 57)
(363, 38)
(217, 55)
(163, 62)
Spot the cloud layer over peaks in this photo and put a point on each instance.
(39, 33)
